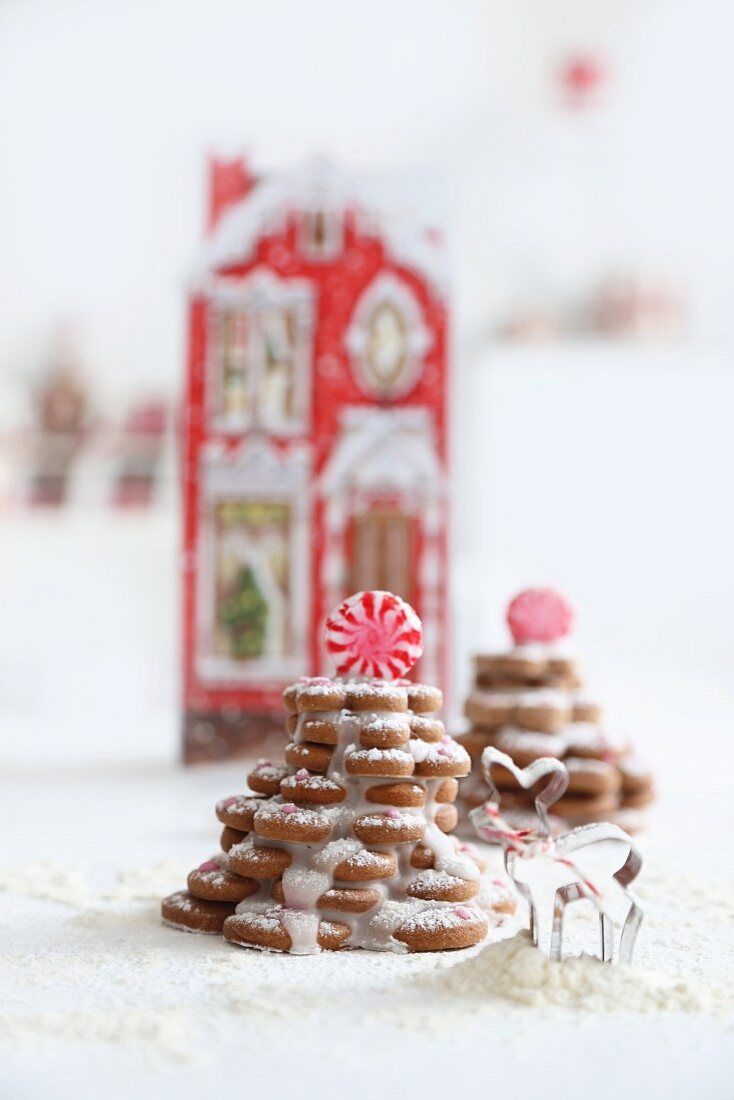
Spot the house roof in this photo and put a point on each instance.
(318, 185)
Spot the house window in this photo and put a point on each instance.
(251, 604)
(260, 356)
(320, 234)
(387, 339)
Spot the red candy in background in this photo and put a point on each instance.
(539, 615)
(374, 634)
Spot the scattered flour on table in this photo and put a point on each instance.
(70, 886)
(49, 880)
(516, 971)
(111, 973)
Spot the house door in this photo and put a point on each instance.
(382, 552)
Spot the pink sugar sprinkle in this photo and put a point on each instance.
(445, 739)
(443, 751)
(229, 802)
(462, 912)
(498, 882)
(289, 808)
(301, 774)
(209, 865)
(392, 812)
(264, 764)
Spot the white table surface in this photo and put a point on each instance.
(160, 1013)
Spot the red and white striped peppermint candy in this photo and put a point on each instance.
(374, 634)
(539, 615)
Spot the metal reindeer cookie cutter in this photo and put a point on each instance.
(527, 849)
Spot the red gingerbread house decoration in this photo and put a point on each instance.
(315, 444)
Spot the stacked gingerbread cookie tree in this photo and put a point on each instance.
(529, 702)
(345, 844)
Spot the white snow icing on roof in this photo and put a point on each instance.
(319, 185)
(380, 448)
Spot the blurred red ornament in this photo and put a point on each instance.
(539, 615)
(581, 77)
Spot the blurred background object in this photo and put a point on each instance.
(586, 187)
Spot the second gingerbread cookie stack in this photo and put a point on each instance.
(346, 843)
(528, 702)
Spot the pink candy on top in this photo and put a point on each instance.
(444, 751)
(462, 912)
(499, 882)
(392, 812)
(289, 808)
(209, 865)
(301, 774)
(539, 615)
(264, 764)
(229, 802)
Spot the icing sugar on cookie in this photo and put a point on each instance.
(346, 844)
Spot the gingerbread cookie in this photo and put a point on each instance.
(448, 928)
(384, 733)
(190, 914)
(390, 827)
(302, 754)
(427, 729)
(258, 862)
(314, 693)
(213, 881)
(441, 759)
(238, 811)
(265, 777)
(302, 786)
(273, 928)
(230, 837)
(396, 794)
(288, 822)
(387, 763)
(440, 886)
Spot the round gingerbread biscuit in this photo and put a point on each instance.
(445, 759)
(305, 754)
(322, 731)
(544, 711)
(387, 763)
(585, 709)
(524, 747)
(422, 857)
(265, 777)
(318, 790)
(376, 696)
(264, 928)
(488, 710)
(440, 886)
(238, 811)
(519, 666)
(213, 881)
(637, 779)
(397, 794)
(583, 809)
(422, 698)
(230, 837)
(636, 800)
(391, 827)
(591, 777)
(315, 693)
(182, 910)
(446, 817)
(287, 822)
(258, 862)
(446, 791)
(366, 866)
(381, 732)
(426, 728)
(443, 928)
(339, 899)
